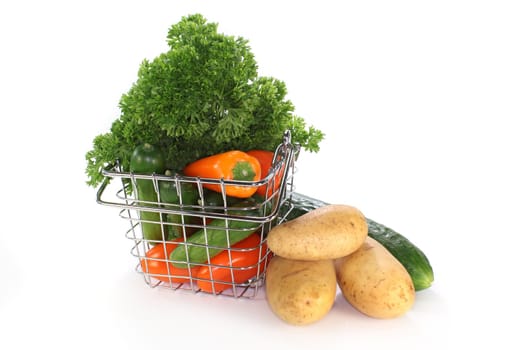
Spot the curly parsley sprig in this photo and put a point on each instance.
(201, 97)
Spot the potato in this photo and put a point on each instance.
(375, 282)
(300, 292)
(328, 232)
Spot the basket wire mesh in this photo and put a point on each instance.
(211, 216)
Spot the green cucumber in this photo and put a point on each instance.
(213, 199)
(407, 253)
(173, 195)
(148, 160)
(218, 235)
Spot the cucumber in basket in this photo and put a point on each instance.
(219, 234)
(147, 159)
(408, 254)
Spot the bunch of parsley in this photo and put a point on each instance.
(201, 97)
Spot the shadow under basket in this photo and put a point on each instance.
(212, 244)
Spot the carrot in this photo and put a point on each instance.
(247, 259)
(156, 265)
(265, 158)
(231, 165)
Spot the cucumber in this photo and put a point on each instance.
(176, 194)
(219, 234)
(213, 199)
(407, 253)
(147, 159)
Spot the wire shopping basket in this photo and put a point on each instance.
(213, 244)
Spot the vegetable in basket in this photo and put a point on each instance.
(230, 165)
(202, 97)
(237, 265)
(178, 194)
(147, 159)
(214, 199)
(156, 264)
(265, 158)
(218, 235)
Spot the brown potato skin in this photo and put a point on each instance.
(300, 292)
(374, 281)
(329, 232)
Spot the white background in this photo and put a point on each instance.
(421, 103)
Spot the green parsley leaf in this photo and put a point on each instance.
(201, 97)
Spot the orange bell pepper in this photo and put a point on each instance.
(265, 158)
(231, 165)
(157, 266)
(244, 264)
